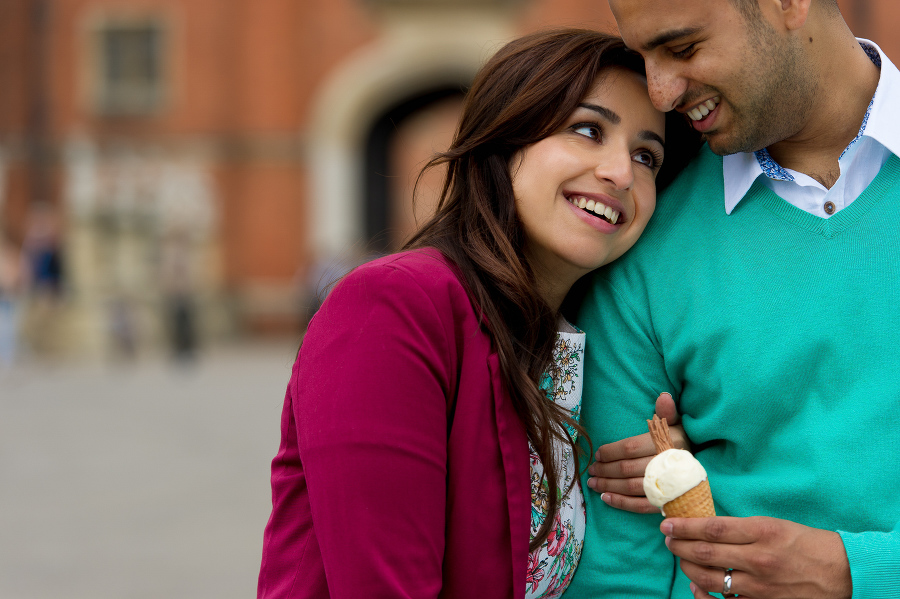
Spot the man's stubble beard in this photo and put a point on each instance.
(775, 98)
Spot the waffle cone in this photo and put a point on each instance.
(696, 503)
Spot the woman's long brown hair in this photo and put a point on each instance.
(523, 94)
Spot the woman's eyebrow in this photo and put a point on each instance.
(648, 135)
(615, 119)
(606, 113)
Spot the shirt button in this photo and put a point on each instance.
(829, 207)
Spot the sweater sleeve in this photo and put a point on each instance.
(874, 562)
(370, 406)
(624, 553)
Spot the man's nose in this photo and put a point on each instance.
(666, 86)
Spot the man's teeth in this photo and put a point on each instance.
(598, 208)
(704, 109)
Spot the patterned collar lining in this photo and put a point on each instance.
(773, 170)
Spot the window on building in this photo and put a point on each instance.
(129, 68)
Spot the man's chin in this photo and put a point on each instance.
(723, 145)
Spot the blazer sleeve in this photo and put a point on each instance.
(370, 405)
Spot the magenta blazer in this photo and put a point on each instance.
(403, 468)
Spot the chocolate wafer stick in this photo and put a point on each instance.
(659, 432)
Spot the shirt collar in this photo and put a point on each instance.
(880, 123)
(883, 124)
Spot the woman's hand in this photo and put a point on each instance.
(618, 473)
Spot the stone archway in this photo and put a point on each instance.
(399, 143)
(396, 70)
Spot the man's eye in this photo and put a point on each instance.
(683, 51)
(590, 130)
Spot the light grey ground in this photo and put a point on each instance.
(141, 481)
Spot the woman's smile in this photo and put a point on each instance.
(602, 208)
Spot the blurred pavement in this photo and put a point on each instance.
(139, 481)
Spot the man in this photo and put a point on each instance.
(765, 295)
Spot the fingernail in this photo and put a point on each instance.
(592, 483)
(693, 588)
(667, 528)
(605, 498)
(668, 540)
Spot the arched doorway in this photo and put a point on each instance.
(393, 71)
(402, 138)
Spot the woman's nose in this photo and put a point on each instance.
(617, 168)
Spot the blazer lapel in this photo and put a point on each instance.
(514, 452)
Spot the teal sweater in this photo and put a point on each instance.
(778, 333)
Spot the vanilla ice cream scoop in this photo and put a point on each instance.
(671, 474)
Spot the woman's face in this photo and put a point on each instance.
(585, 193)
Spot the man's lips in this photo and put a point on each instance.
(703, 115)
(701, 110)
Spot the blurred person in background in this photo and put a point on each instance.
(177, 279)
(43, 248)
(430, 425)
(122, 327)
(14, 279)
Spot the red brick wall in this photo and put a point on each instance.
(244, 75)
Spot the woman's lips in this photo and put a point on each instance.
(596, 207)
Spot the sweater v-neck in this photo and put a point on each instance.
(887, 179)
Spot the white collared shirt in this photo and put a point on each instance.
(879, 137)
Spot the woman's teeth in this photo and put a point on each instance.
(598, 208)
(704, 109)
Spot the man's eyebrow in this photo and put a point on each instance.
(669, 36)
(606, 113)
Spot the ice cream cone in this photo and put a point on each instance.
(674, 480)
(695, 503)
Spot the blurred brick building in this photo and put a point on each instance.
(233, 150)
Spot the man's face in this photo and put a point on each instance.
(742, 83)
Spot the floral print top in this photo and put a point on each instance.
(552, 565)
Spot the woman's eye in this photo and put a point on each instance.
(647, 158)
(588, 130)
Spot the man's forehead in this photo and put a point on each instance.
(646, 24)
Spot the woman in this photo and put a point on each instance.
(425, 396)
